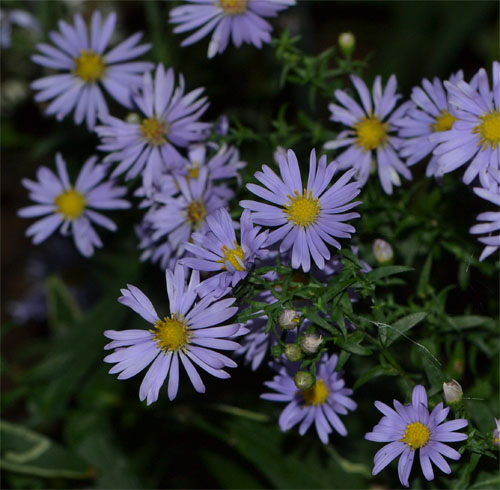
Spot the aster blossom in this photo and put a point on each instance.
(370, 135)
(218, 251)
(322, 403)
(72, 206)
(239, 20)
(169, 120)
(88, 68)
(190, 334)
(475, 137)
(306, 216)
(408, 428)
(430, 113)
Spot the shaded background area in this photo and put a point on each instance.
(195, 442)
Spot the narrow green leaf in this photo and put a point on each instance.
(390, 270)
(402, 326)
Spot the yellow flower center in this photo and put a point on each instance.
(171, 334)
(317, 394)
(89, 66)
(232, 255)
(371, 132)
(196, 213)
(444, 122)
(416, 435)
(233, 7)
(154, 131)
(70, 203)
(194, 170)
(489, 129)
(303, 209)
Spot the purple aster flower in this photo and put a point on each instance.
(496, 433)
(430, 113)
(321, 404)
(180, 216)
(306, 216)
(170, 120)
(371, 128)
(190, 334)
(490, 221)
(158, 251)
(475, 136)
(411, 427)
(218, 251)
(241, 20)
(61, 203)
(81, 55)
(17, 17)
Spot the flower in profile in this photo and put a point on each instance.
(306, 216)
(370, 133)
(496, 433)
(72, 206)
(190, 333)
(430, 113)
(88, 68)
(169, 120)
(322, 403)
(218, 251)
(490, 220)
(17, 17)
(411, 427)
(180, 216)
(241, 20)
(475, 136)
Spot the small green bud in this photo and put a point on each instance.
(347, 43)
(293, 352)
(276, 350)
(383, 251)
(452, 392)
(303, 380)
(310, 343)
(133, 118)
(288, 319)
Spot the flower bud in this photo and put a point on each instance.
(303, 380)
(133, 118)
(452, 391)
(288, 319)
(293, 352)
(310, 343)
(276, 351)
(347, 43)
(383, 251)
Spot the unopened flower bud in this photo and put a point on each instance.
(133, 118)
(303, 380)
(293, 352)
(276, 350)
(288, 319)
(452, 391)
(310, 342)
(347, 43)
(383, 251)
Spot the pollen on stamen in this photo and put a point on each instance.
(171, 334)
(317, 394)
(416, 435)
(235, 256)
(71, 204)
(233, 7)
(89, 66)
(303, 209)
(154, 131)
(488, 130)
(444, 122)
(196, 213)
(371, 133)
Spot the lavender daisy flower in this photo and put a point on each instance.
(490, 222)
(475, 136)
(170, 119)
(158, 251)
(306, 217)
(61, 203)
(217, 250)
(88, 69)
(241, 20)
(188, 334)
(496, 433)
(321, 404)
(370, 133)
(430, 113)
(411, 427)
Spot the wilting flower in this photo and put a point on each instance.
(306, 216)
(17, 17)
(81, 55)
(490, 221)
(430, 113)
(475, 136)
(322, 403)
(73, 207)
(169, 119)
(371, 128)
(218, 251)
(188, 333)
(241, 20)
(411, 427)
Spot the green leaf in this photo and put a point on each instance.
(352, 344)
(26, 451)
(423, 286)
(390, 270)
(403, 325)
(63, 311)
(374, 373)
